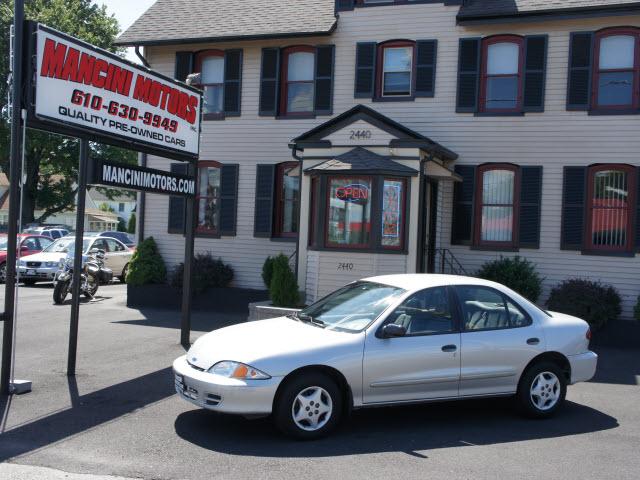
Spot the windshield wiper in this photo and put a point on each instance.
(309, 319)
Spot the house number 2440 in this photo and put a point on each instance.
(345, 266)
(359, 134)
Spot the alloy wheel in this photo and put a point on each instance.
(545, 391)
(312, 409)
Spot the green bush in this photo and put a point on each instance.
(592, 301)
(207, 272)
(636, 310)
(146, 265)
(131, 226)
(283, 289)
(519, 274)
(267, 271)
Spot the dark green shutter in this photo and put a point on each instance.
(579, 79)
(426, 55)
(184, 65)
(228, 199)
(365, 69)
(344, 5)
(232, 82)
(530, 201)
(323, 103)
(265, 184)
(574, 188)
(468, 75)
(177, 205)
(638, 209)
(535, 66)
(269, 82)
(462, 218)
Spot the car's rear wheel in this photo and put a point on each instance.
(308, 407)
(123, 277)
(542, 390)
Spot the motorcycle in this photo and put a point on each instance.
(92, 273)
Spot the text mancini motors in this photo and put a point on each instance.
(69, 64)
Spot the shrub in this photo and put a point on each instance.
(592, 301)
(283, 289)
(267, 271)
(207, 272)
(146, 265)
(131, 226)
(636, 310)
(519, 274)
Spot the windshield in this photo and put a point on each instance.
(352, 308)
(66, 245)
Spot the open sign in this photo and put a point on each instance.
(355, 192)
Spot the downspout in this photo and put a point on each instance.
(141, 56)
(420, 260)
(142, 161)
(294, 149)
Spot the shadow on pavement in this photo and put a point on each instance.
(87, 411)
(403, 429)
(200, 321)
(619, 366)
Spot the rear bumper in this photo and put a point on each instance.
(583, 366)
(226, 395)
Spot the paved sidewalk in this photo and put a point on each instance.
(9, 471)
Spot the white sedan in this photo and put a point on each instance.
(389, 340)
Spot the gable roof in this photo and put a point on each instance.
(193, 21)
(405, 136)
(97, 196)
(362, 160)
(486, 10)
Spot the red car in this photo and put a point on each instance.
(28, 244)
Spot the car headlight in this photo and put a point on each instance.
(238, 370)
(50, 264)
(22, 263)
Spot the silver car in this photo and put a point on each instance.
(385, 341)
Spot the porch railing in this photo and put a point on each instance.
(445, 262)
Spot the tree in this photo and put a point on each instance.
(131, 227)
(52, 160)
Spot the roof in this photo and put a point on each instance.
(361, 160)
(97, 196)
(405, 136)
(479, 10)
(193, 21)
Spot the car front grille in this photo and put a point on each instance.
(34, 264)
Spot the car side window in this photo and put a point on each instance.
(44, 242)
(427, 312)
(54, 234)
(101, 245)
(114, 246)
(31, 243)
(484, 308)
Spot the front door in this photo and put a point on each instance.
(424, 363)
(430, 211)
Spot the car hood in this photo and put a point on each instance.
(45, 257)
(267, 343)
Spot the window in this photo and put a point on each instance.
(208, 198)
(427, 312)
(501, 88)
(44, 242)
(349, 212)
(114, 245)
(210, 65)
(287, 199)
(496, 204)
(298, 80)
(31, 243)
(121, 207)
(395, 69)
(484, 308)
(611, 199)
(616, 67)
(392, 213)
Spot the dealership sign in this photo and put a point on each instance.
(80, 90)
(144, 179)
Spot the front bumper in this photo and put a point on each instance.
(44, 274)
(226, 395)
(583, 366)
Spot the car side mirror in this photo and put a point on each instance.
(391, 330)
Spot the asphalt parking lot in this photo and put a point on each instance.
(119, 416)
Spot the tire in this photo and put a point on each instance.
(123, 277)
(315, 393)
(3, 272)
(542, 390)
(95, 283)
(60, 292)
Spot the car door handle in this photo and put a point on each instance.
(449, 348)
(533, 341)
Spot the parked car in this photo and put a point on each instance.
(52, 232)
(28, 245)
(389, 340)
(43, 266)
(121, 236)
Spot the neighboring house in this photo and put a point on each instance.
(122, 205)
(4, 199)
(386, 137)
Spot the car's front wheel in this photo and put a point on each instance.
(308, 407)
(542, 390)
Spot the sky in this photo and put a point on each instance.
(127, 12)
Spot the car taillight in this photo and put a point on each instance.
(588, 335)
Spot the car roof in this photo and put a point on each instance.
(419, 281)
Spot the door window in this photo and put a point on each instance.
(484, 308)
(114, 246)
(427, 312)
(44, 242)
(31, 243)
(100, 244)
